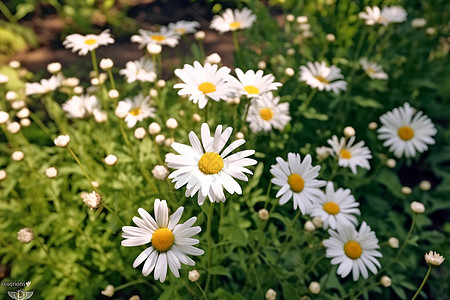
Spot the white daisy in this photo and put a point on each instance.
(86, 43)
(297, 181)
(206, 169)
(372, 69)
(184, 27)
(44, 86)
(404, 133)
(254, 84)
(170, 242)
(232, 20)
(353, 251)
(266, 113)
(79, 107)
(349, 155)
(142, 70)
(164, 36)
(203, 82)
(318, 75)
(336, 208)
(389, 14)
(138, 109)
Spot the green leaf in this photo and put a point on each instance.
(220, 270)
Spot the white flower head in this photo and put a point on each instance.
(25, 235)
(232, 20)
(253, 84)
(44, 86)
(142, 70)
(434, 259)
(318, 76)
(336, 207)
(79, 107)
(406, 132)
(207, 168)
(297, 180)
(193, 275)
(266, 113)
(62, 140)
(92, 200)
(184, 27)
(170, 242)
(86, 43)
(164, 36)
(354, 251)
(372, 69)
(389, 14)
(349, 155)
(137, 109)
(203, 82)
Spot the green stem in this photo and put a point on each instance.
(94, 63)
(125, 285)
(288, 231)
(423, 283)
(40, 124)
(4, 9)
(305, 104)
(111, 78)
(365, 290)
(210, 241)
(201, 290)
(247, 108)
(79, 164)
(237, 49)
(206, 112)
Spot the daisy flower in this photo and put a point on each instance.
(254, 84)
(232, 20)
(206, 169)
(79, 107)
(389, 14)
(184, 27)
(141, 70)
(203, 82)
(138, 109)
(336, 208)
(297, 181)
(164, 36)
(266, 113)
(372, 69)
(86, 43)
(405, 132)
(349, 155)
(353, 251)
(44, 86)
(170, 242)
(318, 75)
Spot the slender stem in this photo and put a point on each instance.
(202, 49)
(80, 164)
(201, 290)
(314, 264)
(237, 49)
(362, 291)
(288, 231)
(206, 112)
(268, 194)
(111, 78)
(94, 63)
(4, 9)
(109, 209)
(130, 283)
(423, 283)
(210, 241)
(305, 105)
(247, 108)
(40, 124)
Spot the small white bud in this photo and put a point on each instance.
(304, 27)
(140, 133)
(302, 19)
(3, 174)
(25, 122)
(349, 131)
(199, 35)
(431, 31)
(17, 155)
(213, 59)
(78, 90)
(18, 104)
(159, 139)
(289, 72)
(418, 23)
(4, 117)
(14, 64)
(154, 48)
(330, 37)
(108, 291)
(417, 207)
(25, 235)
(62, 140)
(425, 185)
(111, 160)
(168, 142)
(271, 294)
(262, 65)
(239, 135)
(13, 127)
(308, 34)
(95, 184)
(23, 113)
(314, 287)
(71, 82)
(171, 123)
(154, 128)
(290, 18)
(196, 117)
(322, 152)
(386, 281)
(373, 125)
(92, 200)
(121, 110)
(135, 297)
(3, 78)
(290, 51)
(406, 190)
(11, 96)
(309, 226)
(161, 83)
(393, 242)
(51, 172)
(263, 214)
(106, 64)
(54, 67)
(95, 81)
(194, 275)
(153, 93)
(113, 94)
(181, 112)
(391, 163)
(160, 172)
(318, 222)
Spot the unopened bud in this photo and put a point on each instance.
(391, 163)
(417, 207)
(289, 72)
(309, 226)
(171, 123)
(199, 35)
(393, 242)
(213, 59)
(373, 125)
(406, 190)
(17, 155)
(92, 200)
(62, 140)
(13, 127)
(263, 214)
(425, 185)
(154, 48)
(194, 275)
(106, 64)
(349, 131)
(113, 94)
(51, 172)
(386, 281)
(314, 287)
(154, 128)
(159, 139)
(271, 294)
(239, 135)
(140, 133)
(25, 235)
(262, 65)
(330, 37)
(318, 222)
(111, 160)
(54, 67)
(160, 172)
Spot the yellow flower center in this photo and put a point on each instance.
(266, 114)
(235, 25)
(251, 89)
(370, 71)
(352, 249)
(210, 163)
(162, 239)
(405, 133)
(158, 38)
(321, 79)
(180, 30)
(296, 183)
(331, 208)
(135, 111)
(207, 87)
(346, 154)
(90, 42)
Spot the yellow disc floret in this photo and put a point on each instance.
(162, 239)
(207, 87)
(296, 183)
(346, 154)
(266, 114)
(352, 249)
(321, 79)
(251, 89)
(210, 163)
(158, 38)
(331, 208)
(235, 25)
(90, 42)
(135, 111)
(405, 133)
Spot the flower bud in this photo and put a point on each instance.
(386, 281)
(199, 35)
(111, 160)
(154, 49)
(25, 235)
(168, 142)
(418, 23)
(314, 287)
(92, 200)
(160, 172)
(417, 207)
(161, 83)
(194, 275)
(289, 72)
(17, 155)
(391, 163)
(140, 133)
(106, 64)
(373, 125)
(51, 172)
(54, 67)
(434, 259)
(263, 214)
(3, 174)
(239, 135)
(25, 122)
(153, 93)
(13, 127)
(3, 78)
(406, 190)
(262, 65)
(196, 118)
(393, 242)
(4, 117)
(95, 184)
(290, 51)
(349, 131)
(62, 140)
(425, 185)
(159, 139)
(78, 90)
(318, 222)
(213, 59)
(172, 123)
(271, 294)
(11, 96)
(14, 64)
(71, 82)
(330, 37)
(309, 226)
(108, 291)
(322, 152)
(302, 19)
(290, 18)
(154, 128)
(431, 31)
